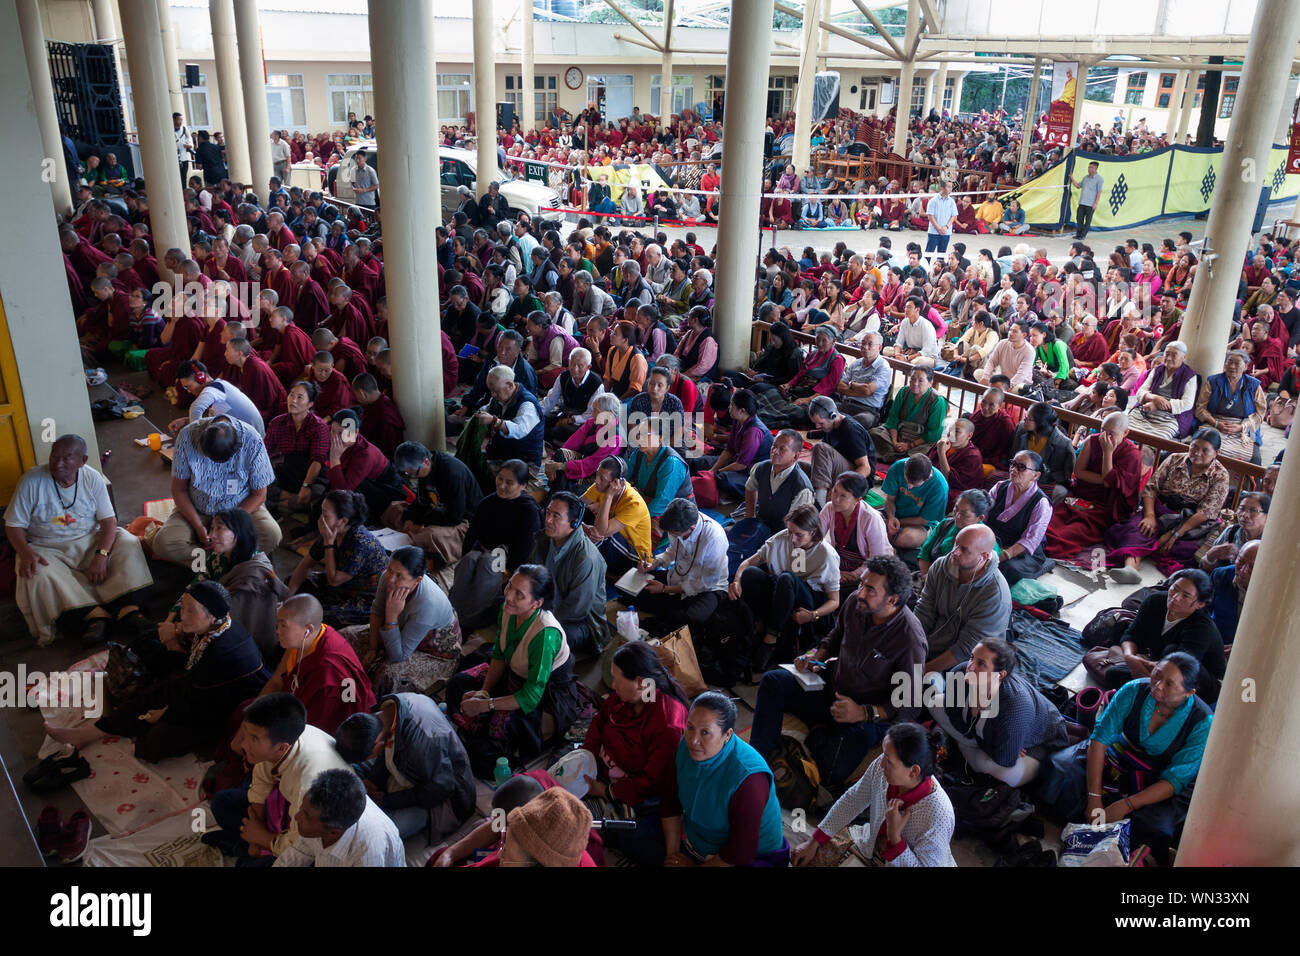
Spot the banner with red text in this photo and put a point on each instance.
(1060, 112)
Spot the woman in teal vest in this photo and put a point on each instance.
(722, 809)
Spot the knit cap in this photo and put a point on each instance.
(553, 827)
(214, 598)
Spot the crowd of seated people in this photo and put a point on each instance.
(598, 431)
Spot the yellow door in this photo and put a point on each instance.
(16, 453)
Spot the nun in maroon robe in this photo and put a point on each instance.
(255, 379)
(965, 469)
(450, 366)
(993, 434)
(185, 334)
(1089, 352)
(1079, 522)
(76, 288)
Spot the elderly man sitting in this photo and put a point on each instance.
(514, 425)
(1229, 597)
(72, 556)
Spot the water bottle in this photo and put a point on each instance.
(501, 772)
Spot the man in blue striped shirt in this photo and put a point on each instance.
(220, 463)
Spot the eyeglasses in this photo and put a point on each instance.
(1250, 511)
(1020, 466)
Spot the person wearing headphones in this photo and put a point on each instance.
(619, 519)
(964, 599)
(577, 568)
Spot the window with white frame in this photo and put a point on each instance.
(545, 97)
(349, 93)
(454, 103)
(1136, 89)
(196, 105)
(683, 96)
(918, 96)
(780, 93)
(949, 89)
(286, 102)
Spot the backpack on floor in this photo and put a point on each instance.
(983, 806)
(794, 773)
(724, 645)
(1106, 629)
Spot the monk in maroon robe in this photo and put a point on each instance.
(293, 348)
(321, 270)
(1088, 347)
(329, 678)
(1107, 482)
(311, 308)
(85, 257)
(335, 391)
(76, 288)
(248, 372)
(145, 264)
(180, 338)
(277, 277)
(994, 428)
(222, 265)
(450, 365)
(278, 234)
(212, 350)
(381, 421)
(963, 465)
(348, 357)
(345, 318)
(332, 259)
(358, 276)
(107, 319)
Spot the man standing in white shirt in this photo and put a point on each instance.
(941, 213)
(339, 826)
(184, 146)
(280, 155)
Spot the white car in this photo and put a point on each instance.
(458, 169)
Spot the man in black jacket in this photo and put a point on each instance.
(413, 763)
(446, 497)
(493, 207)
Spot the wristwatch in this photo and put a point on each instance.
(102, 553)
(492, 704)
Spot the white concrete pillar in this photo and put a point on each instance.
(1080, 94)
(904, 99)
(823, 35)
(941, 84)
(33, 288)
(1243, 806)
(485, 94)
(526, 118)
(37, 62)
(956, 93)
(803, 94)
(1176, 105)
(665, 104)
(106, 32)
(748, 56)
(928, 103)
(1031, 120)
(233, 125)
(252, 80)
(1189, 104)
(172, 61)
(1208, 319)
(153, 117)
(406, 104)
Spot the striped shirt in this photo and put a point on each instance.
(220, 486)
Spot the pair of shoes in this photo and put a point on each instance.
(55, 773)
(67, 841)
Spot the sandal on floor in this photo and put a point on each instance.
(64, 771)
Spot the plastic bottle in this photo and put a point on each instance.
(501, 772)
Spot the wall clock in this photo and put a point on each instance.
(573, 77)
